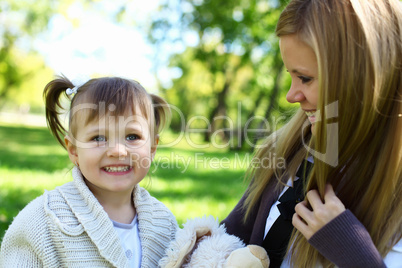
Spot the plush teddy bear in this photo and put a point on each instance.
(204, 243)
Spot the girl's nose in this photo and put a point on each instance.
(117, 150)
(295, 94)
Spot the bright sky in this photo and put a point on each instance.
(99, 45)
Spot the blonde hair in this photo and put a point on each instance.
(358, 45)
(112, 95)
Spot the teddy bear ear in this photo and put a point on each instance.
(251, 256)
(202, 232)
(261, 254)
(186, 241)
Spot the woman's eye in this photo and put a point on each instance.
(132, 137)
(99, 138)
(304, 79)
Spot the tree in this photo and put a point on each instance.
(229, 60)
(20, 20)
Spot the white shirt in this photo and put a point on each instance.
(130, 240)
(274, 212)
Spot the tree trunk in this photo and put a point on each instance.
(219, 109)
(273, 99)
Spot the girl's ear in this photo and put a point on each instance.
(71, 149)
(154, 146)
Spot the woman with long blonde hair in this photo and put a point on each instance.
(338, 202)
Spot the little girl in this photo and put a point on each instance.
(103, 218)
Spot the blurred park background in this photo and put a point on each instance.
(216, 61)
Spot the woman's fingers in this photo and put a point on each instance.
(302, 217)
(303, 211)
(309, 221)
(314, 199)
(299, 223)
(333, 203)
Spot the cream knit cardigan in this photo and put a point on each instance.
(67, 227)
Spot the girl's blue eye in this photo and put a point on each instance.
(304, 79)
(132, 137)
(99, 138)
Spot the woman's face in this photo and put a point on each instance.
(301, 62)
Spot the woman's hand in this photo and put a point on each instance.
(309, 221)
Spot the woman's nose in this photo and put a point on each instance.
(295, 94)
(117, 150)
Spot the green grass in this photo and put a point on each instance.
(191, 182)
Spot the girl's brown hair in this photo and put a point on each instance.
(111, 95)
(358, 45)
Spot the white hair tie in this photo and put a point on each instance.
(70, 91)
(78, 82)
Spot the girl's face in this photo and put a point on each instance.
(114, 154)
(301, 62)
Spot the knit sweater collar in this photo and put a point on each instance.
(155, 222)
(95, 221)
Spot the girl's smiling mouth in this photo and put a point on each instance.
(117, 169)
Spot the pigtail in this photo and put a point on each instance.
(51, 94)
(162, 112)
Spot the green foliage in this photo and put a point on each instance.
(22, 69)
(33, 76)
(233, 69)
(191, 182)
(22, 19)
